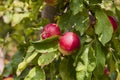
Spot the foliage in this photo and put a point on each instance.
(21, 23)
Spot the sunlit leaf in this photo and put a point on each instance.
(28, 58)
(17, 17)
(118, 77)
(46, 45)
(103, 27)
(86, 63)
(36, 73)
(47, 58)
(76, 6)
(8, 17)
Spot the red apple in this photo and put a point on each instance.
(10, 77)
(49, 30)
(106, 71)
(69, 42)
(113, 22)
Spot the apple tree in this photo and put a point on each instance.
(60, 39)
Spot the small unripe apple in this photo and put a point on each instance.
(106, 71)
(51, 2)
(113, 22)
(68, 43)
(49, 30)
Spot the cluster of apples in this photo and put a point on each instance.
(68, 42)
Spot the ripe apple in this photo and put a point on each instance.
(10, 77)
(113, 22)
(106, 71)
(68, 43)
(49, 30)
(51, 2)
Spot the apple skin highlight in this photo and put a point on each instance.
(68, 43)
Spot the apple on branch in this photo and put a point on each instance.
(49, 30)
(68, 43)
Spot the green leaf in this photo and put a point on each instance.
(54, 69)
(76, 6)
(95, 1)
(21, 67)
(116, 44)
(19, 38)
(24, 73)
(47, 58)
(7, 70)
(7, 17)
(46, 45)
(35, 9)
(105, 77)
(2, 8)
(118, 14)
(117, 4)
(66, 69)
(16, 59)
(1, 40)
(30, 49)
(112, 63)
(103, 27)
(86, 63)
(17, 17)
(79, 21)
(28, 58)
(9, 2)
(118, 76)
(29, 31)
(36, 73)
(100, 60)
